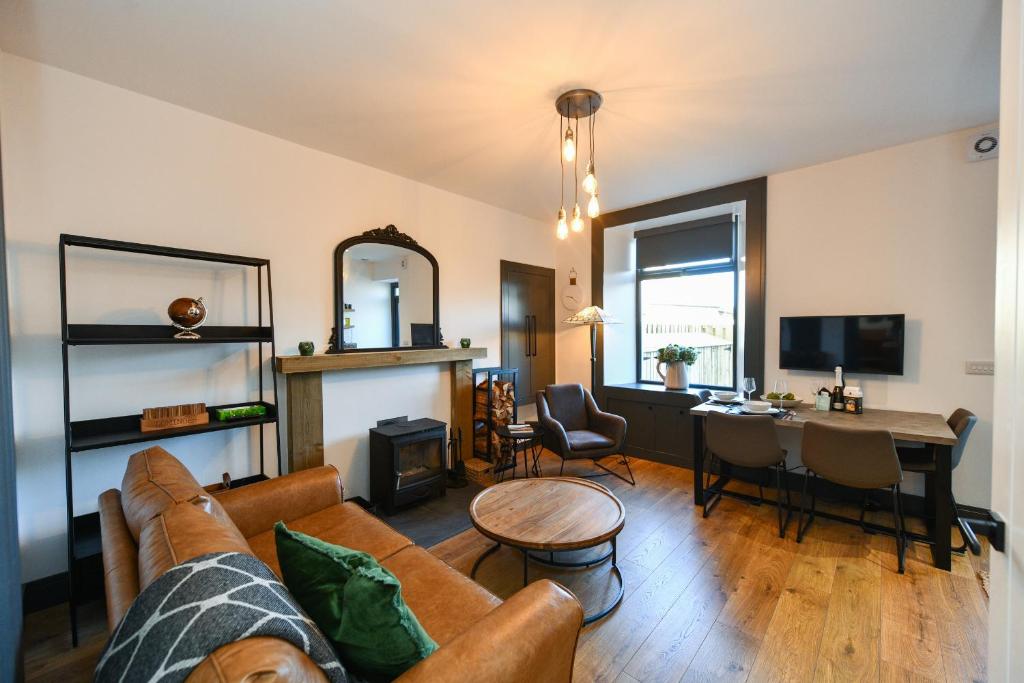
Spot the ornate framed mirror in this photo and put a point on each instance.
(385, 293)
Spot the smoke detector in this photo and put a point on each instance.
(984, 145)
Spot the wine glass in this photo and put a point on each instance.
(749, 386)
(780, 387)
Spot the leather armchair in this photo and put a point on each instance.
(576, 429)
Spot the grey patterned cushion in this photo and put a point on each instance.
(200, 605)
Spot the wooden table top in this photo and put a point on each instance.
(924, 427)
(551, 513)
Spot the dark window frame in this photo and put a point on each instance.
(754, 193)
(708, 269)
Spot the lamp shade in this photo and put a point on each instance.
(591, 315)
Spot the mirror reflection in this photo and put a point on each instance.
(389, 297)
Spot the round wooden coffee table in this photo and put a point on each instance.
(551, 515)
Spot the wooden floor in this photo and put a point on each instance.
(711, 599)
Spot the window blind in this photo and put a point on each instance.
(702, 240)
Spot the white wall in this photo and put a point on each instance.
(620, 299)
(911, 229)
(572, 342)
(84, 157)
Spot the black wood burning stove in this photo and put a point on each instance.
(407, 462)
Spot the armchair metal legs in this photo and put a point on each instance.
(625, 461)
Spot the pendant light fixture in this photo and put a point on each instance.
(562, 228)
(569, 146)
(577, 219)
(572, 106)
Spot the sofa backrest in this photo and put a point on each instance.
(155, 481)
(181, 533)
(171, 517)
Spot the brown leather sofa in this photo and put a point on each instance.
(162, 516)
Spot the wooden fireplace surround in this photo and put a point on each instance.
(306, 398)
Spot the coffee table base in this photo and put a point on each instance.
(551, 562)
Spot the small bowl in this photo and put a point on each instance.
(720, 395)
(757, 406)
(783, 403)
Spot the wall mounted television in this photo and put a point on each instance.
(867, 344)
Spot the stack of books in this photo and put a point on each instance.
(520, 428)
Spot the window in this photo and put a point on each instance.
(691, 303)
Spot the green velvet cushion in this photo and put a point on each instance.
(356, 603)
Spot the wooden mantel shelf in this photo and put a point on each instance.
(306, 395)
(374, 359)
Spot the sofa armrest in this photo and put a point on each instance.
(257, 507)
(530, 637)
(120, 558)
(610, 425)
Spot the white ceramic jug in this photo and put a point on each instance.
(675, 374)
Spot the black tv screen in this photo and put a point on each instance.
(870, 344)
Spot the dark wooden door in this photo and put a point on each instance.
(528, 326)
(542, 312)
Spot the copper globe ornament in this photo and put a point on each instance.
(187, 314)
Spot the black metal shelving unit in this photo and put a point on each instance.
(87, 435)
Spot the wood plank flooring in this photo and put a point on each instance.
(722, 598)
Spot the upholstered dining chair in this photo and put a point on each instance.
(746, 441)
(915, 457)
(576, 429)
(859, 458)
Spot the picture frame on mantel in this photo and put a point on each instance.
(389, 236)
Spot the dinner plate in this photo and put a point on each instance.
(770, 411)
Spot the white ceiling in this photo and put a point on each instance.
(459, 93)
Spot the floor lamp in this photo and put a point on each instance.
(593, 316)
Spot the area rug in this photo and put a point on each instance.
(437, 519)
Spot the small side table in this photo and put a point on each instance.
(529, 442)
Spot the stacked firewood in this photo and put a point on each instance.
(500, 409)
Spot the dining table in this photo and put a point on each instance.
(929, 429)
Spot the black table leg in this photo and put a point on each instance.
(698, 460)
(483, 556)
(929, 490)
(942, 509)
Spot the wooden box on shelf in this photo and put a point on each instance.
(170, 417)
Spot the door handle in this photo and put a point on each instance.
(534, 334)
(527, 321)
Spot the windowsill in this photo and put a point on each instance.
(656, 388)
